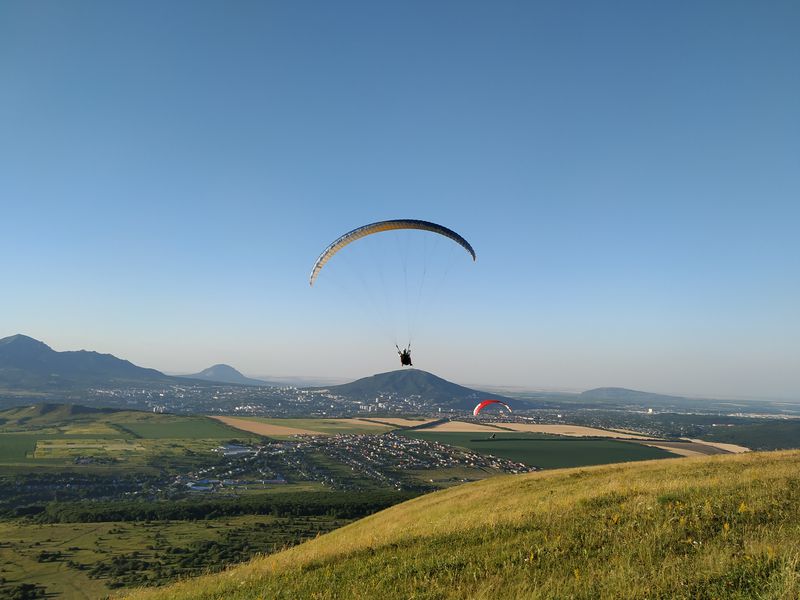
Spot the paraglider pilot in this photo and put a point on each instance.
(405, 355)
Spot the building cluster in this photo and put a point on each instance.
(348, 462)
(278, 402)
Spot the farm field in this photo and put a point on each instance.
(178, 427)
(260, 427)
(693, 448)
(53, 435)
(398, 421)
(462, 426)
(571, 430)
(76, 421)
(771, 435)
(52, 450)
(16, 447)
(540, 450)
(725, 447)
(449, 477)
(128, 451)
(288, 427)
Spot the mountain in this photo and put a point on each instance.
(626, 395)
(616, 396)
(413, 382)
(225, 374)
(711, 527)
(26, 363)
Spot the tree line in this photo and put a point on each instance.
(339, 505)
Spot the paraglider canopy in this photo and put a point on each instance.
(486, 403)
(365, 230)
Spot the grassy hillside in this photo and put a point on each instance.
(726, 526)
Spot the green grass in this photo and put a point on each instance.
(77, 421)
(16, 447)
(88, 544)
(52, 450)
(448, 477)
(186, 428)
(725, 526)
(547, 452)
(272, 489)
(121, 450)
(57, 434)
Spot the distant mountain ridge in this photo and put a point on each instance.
(223, 373)
(29, 365)
(410, 382)
(26, 363)
(625, 394)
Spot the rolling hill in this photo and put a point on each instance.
(714, 527)
(413, 382)
(45, 413)
(624, 394)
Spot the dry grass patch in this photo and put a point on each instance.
(572, 430)
(678, 450)
(380, 423)
(732, 448)
(461, 426)
(399, 422)
(265, 429)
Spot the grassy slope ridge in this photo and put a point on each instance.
(725, 526)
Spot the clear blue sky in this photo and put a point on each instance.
(628, 172)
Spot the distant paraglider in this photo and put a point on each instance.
(486, 403)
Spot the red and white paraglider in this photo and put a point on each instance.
(486, 403)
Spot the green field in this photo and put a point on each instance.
(130, 451)
(49, 435)
(448, 477)
(768, 435)
(546, 452)
(16, 447)
(186, 428)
